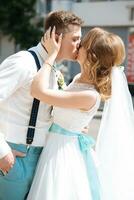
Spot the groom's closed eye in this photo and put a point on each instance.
(76, 39)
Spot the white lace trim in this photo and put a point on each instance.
(80, 85)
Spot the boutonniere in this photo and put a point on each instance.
(60, 81)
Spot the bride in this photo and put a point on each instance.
(67, 169)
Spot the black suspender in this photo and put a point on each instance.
(34, 110)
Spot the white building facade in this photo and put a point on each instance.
(116, 16)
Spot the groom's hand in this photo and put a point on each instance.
(7, 162)
(85, 130)
(18, 153)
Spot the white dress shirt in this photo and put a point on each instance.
(16, 74)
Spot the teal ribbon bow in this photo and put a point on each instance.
(86, 143)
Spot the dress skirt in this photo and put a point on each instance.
(62, 171)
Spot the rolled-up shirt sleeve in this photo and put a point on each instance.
(15, 71)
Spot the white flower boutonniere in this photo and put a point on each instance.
(60, 81)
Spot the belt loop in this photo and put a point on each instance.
(28, 146)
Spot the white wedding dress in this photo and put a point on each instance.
(62, 172)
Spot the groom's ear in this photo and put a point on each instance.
(56, 37)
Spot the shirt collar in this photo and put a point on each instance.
(42, 52)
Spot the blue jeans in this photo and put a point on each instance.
(16, 184)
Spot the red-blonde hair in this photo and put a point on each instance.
(104, 50)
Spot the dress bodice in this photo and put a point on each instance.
(76, 119)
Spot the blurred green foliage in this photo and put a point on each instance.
(18, 20)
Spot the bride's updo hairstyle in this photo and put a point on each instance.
(104, 51)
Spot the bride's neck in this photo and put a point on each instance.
(83, 78)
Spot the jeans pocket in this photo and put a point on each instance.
(15, 173)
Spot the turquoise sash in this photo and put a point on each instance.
(86, 143)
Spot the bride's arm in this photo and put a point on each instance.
(40, 85)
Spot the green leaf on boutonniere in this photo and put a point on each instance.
(60, 81)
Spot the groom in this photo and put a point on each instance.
(18, 159)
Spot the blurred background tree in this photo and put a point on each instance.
(18, 20)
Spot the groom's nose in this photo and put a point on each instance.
(79, 45)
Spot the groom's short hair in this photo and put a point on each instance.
(61, 20)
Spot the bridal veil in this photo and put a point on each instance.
(115, 142)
